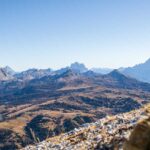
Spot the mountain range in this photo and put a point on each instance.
(140, 72)
(41, 103)
(38, 104)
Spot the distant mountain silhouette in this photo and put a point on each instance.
(33, 73)
(9, 70)
(140, 71)
(6, 73)
(102, 70)
(78, 67)
(119, 80)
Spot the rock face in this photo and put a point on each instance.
(109, 133)
(140, 137)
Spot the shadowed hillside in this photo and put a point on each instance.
(34, 110)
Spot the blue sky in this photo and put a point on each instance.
(55, 33)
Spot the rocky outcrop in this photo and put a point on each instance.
(109, 133)
(140, 137)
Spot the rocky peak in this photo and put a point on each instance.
(115, 74)
(79, 67)
(4, 75)
(9, 70)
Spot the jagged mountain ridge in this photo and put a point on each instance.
(140, 72)
(33, 74)
(39, 73)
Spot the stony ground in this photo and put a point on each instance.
(105, 134)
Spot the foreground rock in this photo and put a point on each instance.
(105, 134)
(140, 137)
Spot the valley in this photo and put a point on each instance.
(36, 109)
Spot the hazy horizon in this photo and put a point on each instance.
(43, 33)
(15, 68)
(100, 67)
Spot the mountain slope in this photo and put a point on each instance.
(9, 70)
(34, 110)
(105, 134)
(118, 80)
(140, 72)
(4, 74)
